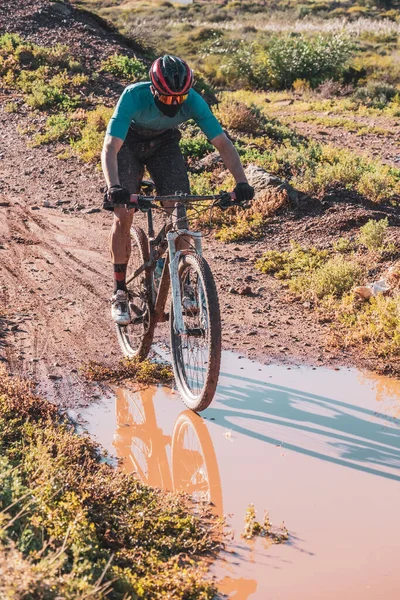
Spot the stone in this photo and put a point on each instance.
(246, 291)
(261, 180)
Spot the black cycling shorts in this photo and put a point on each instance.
(160, 154)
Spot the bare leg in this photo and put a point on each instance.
(120, 242)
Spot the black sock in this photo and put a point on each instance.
(120, 277)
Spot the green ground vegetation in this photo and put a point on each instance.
(73, 526)
(317, 68)
(325, 278)
(51, 82)
(144, 371)
(253, 528)
(268, 44)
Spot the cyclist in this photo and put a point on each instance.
(143, 133)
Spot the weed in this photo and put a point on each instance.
(48, 77)
(376, 94)
(193, 144)
(88, 146)
(334, 278)
(130, 69)
(375, 325)
(343, 246)
(244, 228)
(253, 528)
(141, 371)
(58, 127)
(290, 263)
(72, 526)
(11, 107)
(240, 117)
(373, 234)
(315, 60)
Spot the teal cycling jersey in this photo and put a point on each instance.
(136, 106)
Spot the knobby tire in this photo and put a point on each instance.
(136, 340)
(198, 399)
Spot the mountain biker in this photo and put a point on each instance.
(143, 133)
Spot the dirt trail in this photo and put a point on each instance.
(53, 270)
(56, 278)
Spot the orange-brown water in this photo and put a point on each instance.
(320, 449)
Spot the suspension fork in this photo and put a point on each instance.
(174, 257)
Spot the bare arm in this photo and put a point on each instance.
(111, 147)
(230, 157)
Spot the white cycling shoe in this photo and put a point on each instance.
(120, 308)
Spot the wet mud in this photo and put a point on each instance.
(318, 448)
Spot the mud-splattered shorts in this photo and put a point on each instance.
(160, 154)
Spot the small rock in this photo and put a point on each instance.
(35, 207)
(232, 290)
(246, 291)
(54, 377)
(91, 211)
(46, 203)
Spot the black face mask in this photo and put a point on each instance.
(169, 110)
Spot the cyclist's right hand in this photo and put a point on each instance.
(117, 195)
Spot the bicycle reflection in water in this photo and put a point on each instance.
(192, 467)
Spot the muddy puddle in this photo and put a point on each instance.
(318, 448)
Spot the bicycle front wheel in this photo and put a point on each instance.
(136, 338)
(196, 355)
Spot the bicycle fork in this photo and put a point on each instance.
(175, 255)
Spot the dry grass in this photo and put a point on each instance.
(72, 526)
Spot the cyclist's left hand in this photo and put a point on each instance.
(243, 192)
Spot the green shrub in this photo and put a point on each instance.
(196, 146)
(334, 278)
(11, 107)
(131, 69)
(284, 265)
(244, 228)
(48, 77)
(376, 94)
(314, 60)
(373, 325)
(373, 234)
(343, 246)
(58, 127)
(88, 147)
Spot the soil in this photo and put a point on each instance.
(55, 274)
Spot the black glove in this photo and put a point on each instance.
(116, 195)
(243, 192)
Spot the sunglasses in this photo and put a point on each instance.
(170, 99)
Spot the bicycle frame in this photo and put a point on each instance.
(170, 272)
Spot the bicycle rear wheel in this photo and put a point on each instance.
(136, 338)
(196, 355)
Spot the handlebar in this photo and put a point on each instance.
(144, 203)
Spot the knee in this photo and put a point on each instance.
(122, 220)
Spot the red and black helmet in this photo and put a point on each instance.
(171, 76)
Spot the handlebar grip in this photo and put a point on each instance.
(134, 201)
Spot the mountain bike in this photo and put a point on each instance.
(194, 315)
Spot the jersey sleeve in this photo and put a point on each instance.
(202, 115)
(128, 105)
